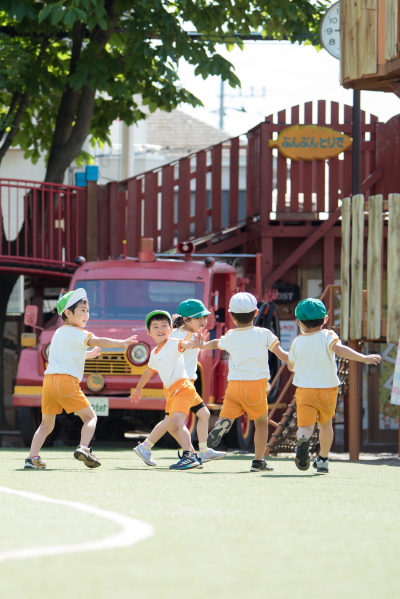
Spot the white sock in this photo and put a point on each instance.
(148, 444)
(203, 447)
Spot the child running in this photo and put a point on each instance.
(312, 359)
(191, 317)
(167, 359)
(248, 375)
(61, 388)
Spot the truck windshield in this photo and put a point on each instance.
(133, 300)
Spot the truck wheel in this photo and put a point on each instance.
(28, 420)
(241, 434)
(191, 423)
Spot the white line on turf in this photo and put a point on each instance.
(132, 532)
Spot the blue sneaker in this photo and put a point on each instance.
(187, 461)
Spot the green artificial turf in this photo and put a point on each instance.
(221, 532)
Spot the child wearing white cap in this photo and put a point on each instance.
(61, 388)
(248, 376)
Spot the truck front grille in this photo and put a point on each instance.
(113, 363)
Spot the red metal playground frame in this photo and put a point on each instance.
(43, 227)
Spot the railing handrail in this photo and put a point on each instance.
(37, 183)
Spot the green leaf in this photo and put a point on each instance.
(45, 12)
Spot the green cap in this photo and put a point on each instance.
(159, 313)
(192, 308)
(70, 298)
(310, 309)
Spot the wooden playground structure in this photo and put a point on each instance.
(369, 301)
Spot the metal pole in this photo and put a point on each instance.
(221, 106)
(356, 166)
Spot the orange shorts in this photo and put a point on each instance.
(315, 405)
(198, 402)
(62, 391)
(180, 397)
(245, 396)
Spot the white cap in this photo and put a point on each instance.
(242, 303)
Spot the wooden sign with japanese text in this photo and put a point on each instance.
(310, 142)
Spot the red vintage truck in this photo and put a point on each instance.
(121, 292)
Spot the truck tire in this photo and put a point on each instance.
(241, 434)
(28, 420)
(270, 320)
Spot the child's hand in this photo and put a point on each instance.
(374, 359)
(201, 337)
(130, 341)
(93, 353)
(136, 396)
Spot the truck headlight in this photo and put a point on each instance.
(138, 354)
(45, 352)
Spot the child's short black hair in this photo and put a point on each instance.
(158, 317)
(311, 324)
(74, 306)
(244, 317)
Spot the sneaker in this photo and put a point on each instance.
(187, 461)
(211, 454)
(198, 458)
(85, 455)
(322, 466)
(35, 464)
(302, 458)
(215, 436)
(145, 453)
(260, 466)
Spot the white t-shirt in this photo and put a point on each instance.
(248, 352)
(67, 353)
(190, 355)
(314, 361)
(168, 361)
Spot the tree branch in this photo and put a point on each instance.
(23, 105)
(70, 98)
(14, 101)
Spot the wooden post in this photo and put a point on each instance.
(345, 270)
(354, 405)
(393, 270)
(92, 217)
(374, 267)
(357, 266)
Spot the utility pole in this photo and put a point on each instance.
(221, 105)
(222, 96)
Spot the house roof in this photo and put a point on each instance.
(180, 134)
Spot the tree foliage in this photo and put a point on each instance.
(69, 68)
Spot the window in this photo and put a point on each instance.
(133, 300)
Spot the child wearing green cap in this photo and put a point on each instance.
(312, 359)
(191, 318)
(167, 359)
(61, 388)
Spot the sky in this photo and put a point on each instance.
(290, 74)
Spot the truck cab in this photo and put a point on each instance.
(121, 293)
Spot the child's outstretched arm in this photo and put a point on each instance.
(144, 379)
(350, 354)
(199, 341)
(106, 342)
(280, 353)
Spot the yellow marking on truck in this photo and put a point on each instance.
(27, 390)
(152, 393)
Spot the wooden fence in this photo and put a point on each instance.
(364, 314)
